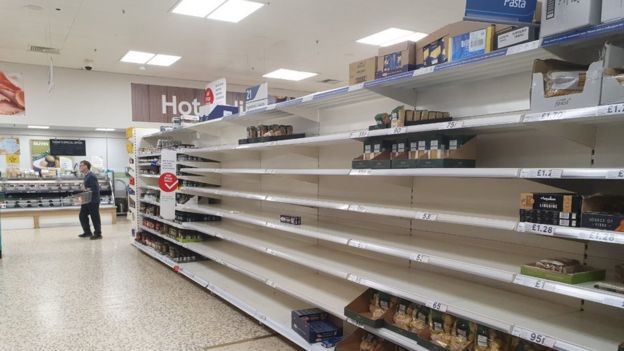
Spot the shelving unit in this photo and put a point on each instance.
(446, 238)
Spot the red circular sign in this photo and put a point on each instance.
(168, 182)
(209, 97)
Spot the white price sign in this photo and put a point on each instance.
(271, 252)
(533, 282)
(438, 306)
(360, 172)
(356, 87)
(543, 229)
(516, 49)
(617, 174)
(270, 283)
(426, 70)
(357, 244)
(547, 173)
(359, 134)
(271, 225)
(616, 109)
(354, 278)
(427, 216)
(357, 208)
(453, 125)
(399, 130)
(420, 258)
(604, 237)
(533, 337)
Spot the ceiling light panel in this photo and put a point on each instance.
(197, 8)
(38, 127)
(235, 10)
(288, 74)
(391, 36)
(105, 129)
(163, 60)
(137, 57)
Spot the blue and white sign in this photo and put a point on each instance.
(257, 97)
(504, 11)
(214, 95)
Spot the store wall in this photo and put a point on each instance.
(85, 98)
(111, 147)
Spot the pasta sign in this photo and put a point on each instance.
(12, 99)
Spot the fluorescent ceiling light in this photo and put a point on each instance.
(288, 74)
(105, 129)
(38, 127)
(163, 60)
(391, 36)
(137, 57)
(235, 10)
(197, 8)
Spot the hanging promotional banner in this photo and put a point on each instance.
(214, 95)
(9, 146)
(257, 97)
(168, 183)
(12, 100)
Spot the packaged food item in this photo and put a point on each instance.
(560, 83)
(563, 270)
(489, 339)
(472, 44)
(294, 220)
(379, 304)
(612, 287)
(559, 265)
(463, 337)
(370, 342)
(562, 202)
(419, 321)
(403, 315)
(441, 326)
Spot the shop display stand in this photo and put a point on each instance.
(446, 238)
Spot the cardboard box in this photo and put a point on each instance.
(472, 44)
(353, 341)
(563, 219)
(588, 275)
(421, 312)
(612, 87)
(396, 59)
(362, 71)
(315, 325)
(563, 16)
(373, 161)
(612, 10)
(603, 221)
(502, 11)
(560, 202)
(590, 95)
(515, 36)
(358, 309)
(433, 49)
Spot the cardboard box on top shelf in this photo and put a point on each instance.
(435, 48)
(353, 342)
(563, 16)
(612, 10)
(559, 85)
(613, 77)
(511, 36)
(472, 44)
(363, 70)
(396, 58)
(503, 11)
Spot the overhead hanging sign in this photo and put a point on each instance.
(68, 147)
(257, 97)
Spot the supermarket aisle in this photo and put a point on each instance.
(59, 292)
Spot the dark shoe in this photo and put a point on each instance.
(96, 237)
(85, 235)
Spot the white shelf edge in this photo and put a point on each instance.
(149, 175)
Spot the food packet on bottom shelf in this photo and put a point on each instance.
(370, 342)
(560, 83)
(488, 339)
(379, 305)
(518, 344)
(420, 320)
(441, 325)
(463, 335)
(403, 315)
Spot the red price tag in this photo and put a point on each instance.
(168, 182)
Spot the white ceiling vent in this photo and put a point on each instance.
(44, 50)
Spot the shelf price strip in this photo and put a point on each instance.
(533, 336)
(427, 216)
(542, 229)
(541, 173)
(438, 306)
(533, 282)
(617, 174)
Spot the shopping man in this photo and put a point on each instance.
(91, 209)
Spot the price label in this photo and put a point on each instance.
(516, 49)
(360, 172)
(271, 225)
(354, 278)
(357, 208)
(533, 282)
(270, 283)
(271, 252)
(614, 109)
(357, 244)
(360, 134)
(454, 125)
(261, 317)
(617, 174)
(356, 87)
(543, 229)
(356, 323)
(420, 258)
(438, 306)
(545, 116)
(604, 237)
(546, 173)
(399, 130)
(427, 216)
(270, 171)
(307, 98)
(533, 337)
(426, 70)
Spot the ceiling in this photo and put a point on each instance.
(317, 36)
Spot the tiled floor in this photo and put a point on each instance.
(59, 292)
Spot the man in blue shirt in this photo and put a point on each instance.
(92, 208)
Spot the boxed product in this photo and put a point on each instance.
(361, 340)
(440, 151)
(612, 10)
(409, 319)
(399, 150)
(603, 212)
(511, 36)
(564, 219)
(435, 48)
(441, 326)
(613, 75)
(561, 202)
(562, 16)
(502, 11)
(377, 155)
(563, 270)
(559, 85)
(471, 44)
(396, 59)
(315, 325)
(370, 308)
(362, 71)
(294, 220)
